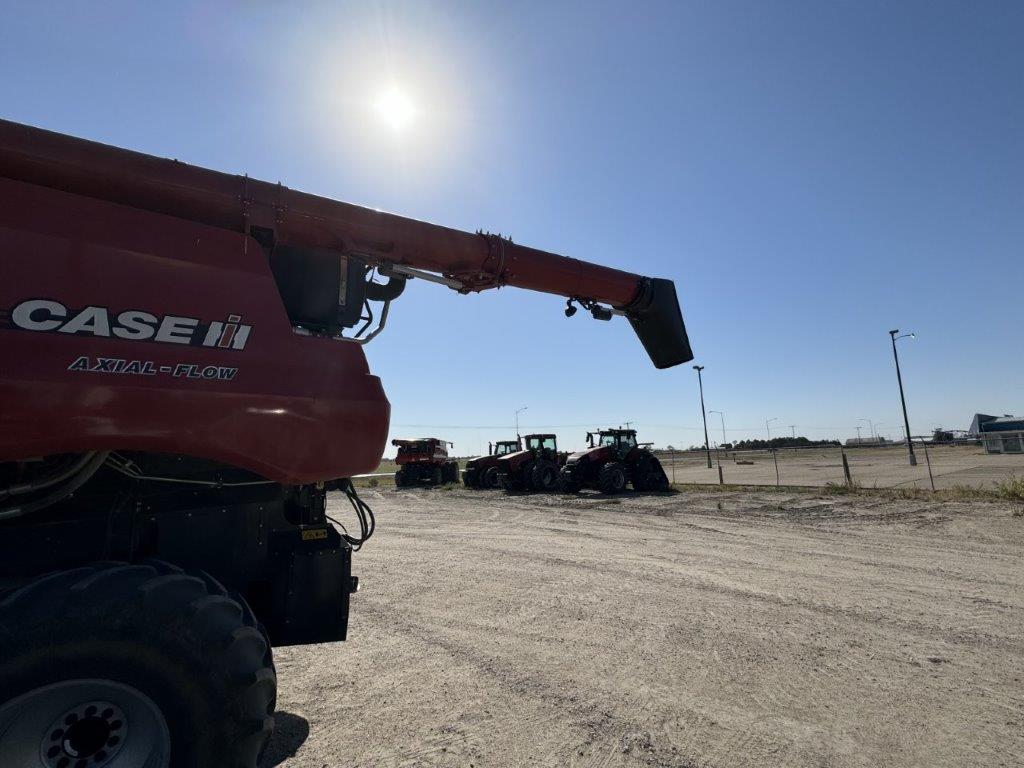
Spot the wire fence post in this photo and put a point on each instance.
(718, 458)
(927, 461)
(673, 452)
(775, 456)
(846, 468)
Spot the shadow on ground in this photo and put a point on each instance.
(290, 733)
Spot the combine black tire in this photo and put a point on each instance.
(490, 478)
(113, 663)
(566, 482)
(436, 476)
(544, 476)
(612, 477)
(453, 472)
(400, 479)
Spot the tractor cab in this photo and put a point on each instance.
(621, 441)
(542, 446)
(504, 447)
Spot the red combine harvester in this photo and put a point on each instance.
(612, 461)
(533, 469)
(424, 460)
(184, 383)
(482, 472)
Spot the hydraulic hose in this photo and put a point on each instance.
(77, 481)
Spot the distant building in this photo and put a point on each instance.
(979, 418)
(1003, 434)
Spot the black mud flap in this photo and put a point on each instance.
(311, 591)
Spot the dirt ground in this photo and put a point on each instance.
(690, 629)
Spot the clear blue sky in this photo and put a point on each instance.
(811, 174)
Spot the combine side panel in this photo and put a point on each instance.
(128, 330)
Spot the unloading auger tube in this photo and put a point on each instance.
(306, 234)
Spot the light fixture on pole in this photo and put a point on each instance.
(903, 400)
(703, 413)
(518, 411)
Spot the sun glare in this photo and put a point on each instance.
(395, 109)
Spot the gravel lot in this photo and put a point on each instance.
(691, 629)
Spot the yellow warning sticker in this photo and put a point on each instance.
(312, 534)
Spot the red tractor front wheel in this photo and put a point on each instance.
(612, 477)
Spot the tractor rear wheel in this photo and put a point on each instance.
(470, 478)
(544, 476)
(649, 476)
(490, 478)
(132, 665)
(612, 477)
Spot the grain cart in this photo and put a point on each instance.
(424, 460)
(482, 472)
(533, 469)
(613, 459)
(183, 383)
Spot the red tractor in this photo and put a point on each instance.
(613, 459)
(533, 469)
(184, 382)
(424, 461)
(482, 472)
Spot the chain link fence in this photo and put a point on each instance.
(939, 466)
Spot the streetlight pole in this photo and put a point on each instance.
(767, 426)
(903, 400)
(518, 411)
(703, 413)
(722, 417)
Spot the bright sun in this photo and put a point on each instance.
(395, 109)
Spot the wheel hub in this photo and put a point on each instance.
(86, 736)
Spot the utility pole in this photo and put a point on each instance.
(722, 417)
(775, 458)
(792, 429)
(858, 433)
(903, 400)
(703, 413)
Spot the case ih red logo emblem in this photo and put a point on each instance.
(132, 324)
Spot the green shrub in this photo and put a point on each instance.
(1011, 488)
